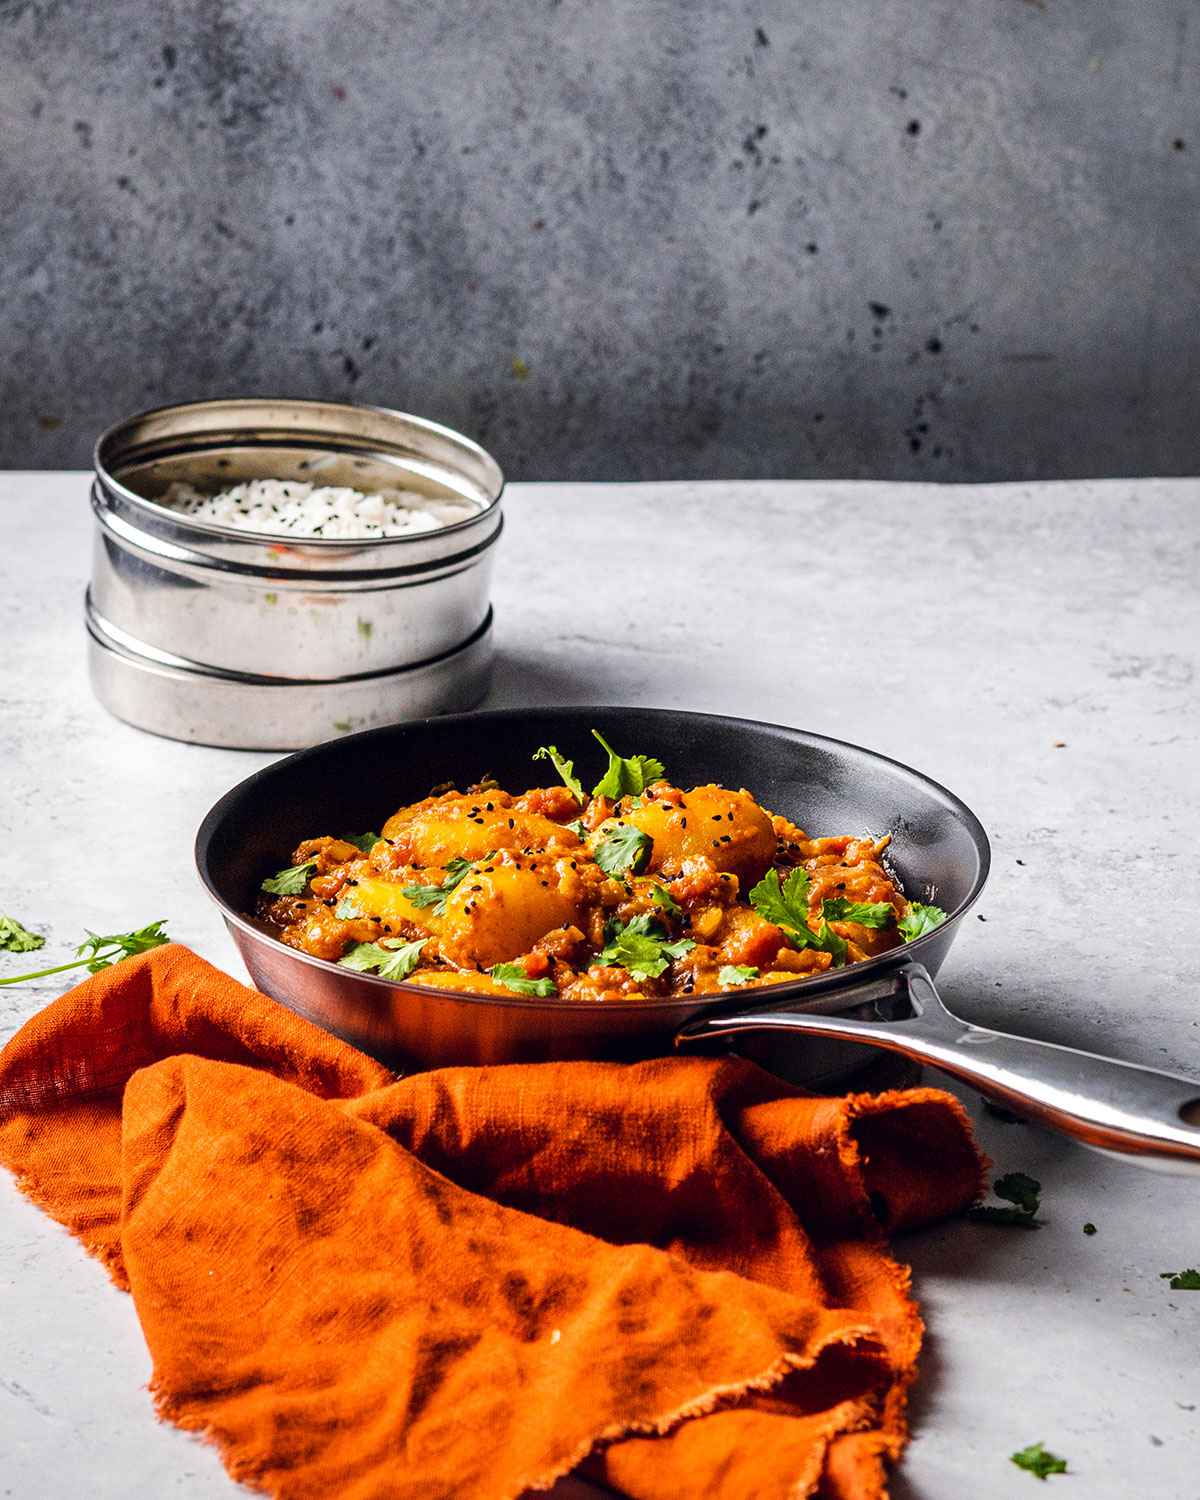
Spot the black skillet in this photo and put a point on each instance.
(939, 853)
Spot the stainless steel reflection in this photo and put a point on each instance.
(1115, 1107)
(172, 697)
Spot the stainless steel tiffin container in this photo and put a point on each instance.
(226, 637)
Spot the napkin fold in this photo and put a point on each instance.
(469, 1282)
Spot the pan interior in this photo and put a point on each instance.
(938, 851)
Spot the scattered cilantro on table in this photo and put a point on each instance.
(17, 938)
(919, 920)
(1038, 1461)
(289, 882)
(641, 947)
(100, 951)
(1182, 1281)
(387, 959)
(565, 769)
(1089, 1228)
(1023, 1192)
(513, 977)
(624, 848)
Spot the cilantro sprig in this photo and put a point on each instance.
(1039, 1461)
(289, 882)
(866, 913)
(786, 905)
(389, 959)
(100, 951)
(436, 896)
(626, 776)
(364, 842)
(732, 975)
(641, 947)
(624, 848)
(662, 897)
(919, 920)
(1023, 1192)
(17, 938)
(513, 977)
(565, 769)
(1182, 1281)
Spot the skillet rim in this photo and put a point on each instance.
(832, 980)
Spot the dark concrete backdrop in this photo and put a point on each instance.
(616, 238)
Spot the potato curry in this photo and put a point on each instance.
(638, 890)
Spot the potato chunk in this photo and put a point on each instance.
(503, 908)
(468, 826)
(728, 828)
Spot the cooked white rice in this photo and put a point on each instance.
(285, 507)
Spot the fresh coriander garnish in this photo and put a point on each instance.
(436, 896)
(735, 974)
(624, 848)
(384, 959)
(662, 897)
(565, 769)
(346, 910)
(1182, 1281)
(513, 977)
(626, 776)
(362, 841)
(786, 905)
(1038, 1461)
(866, 913)
(18, 938)
(289, 882)
(642, 947)
(577, 828)
(919, 920)
(1019, 1189)
(101, 952)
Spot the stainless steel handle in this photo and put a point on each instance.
(1116, 1107)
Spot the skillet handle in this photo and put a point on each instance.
(1119, 1108)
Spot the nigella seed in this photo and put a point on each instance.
(512, 822)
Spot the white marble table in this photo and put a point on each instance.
(993, 622)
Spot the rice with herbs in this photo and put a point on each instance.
(285, 507)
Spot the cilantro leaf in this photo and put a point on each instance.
(1182, 1281)
(642, 947)
(1089, 1228)
(17, 938)
(437, 895)
(577, 828)
(625, 848)
(626, 776)
(1021, 1189)
(786, 906)
(919, 920)
(662, 897)
(362, 841)
(1038, 1461)
(565, 769)
(387, 961)
(346, 910)
(1017, 1188)
(513, 977)
(289, 882)
(867, 913)
(735, 974)
(100, 951)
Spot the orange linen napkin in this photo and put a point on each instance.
(469, 1282)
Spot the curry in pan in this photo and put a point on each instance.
(638, 890)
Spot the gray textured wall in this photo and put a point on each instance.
(931, 238)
